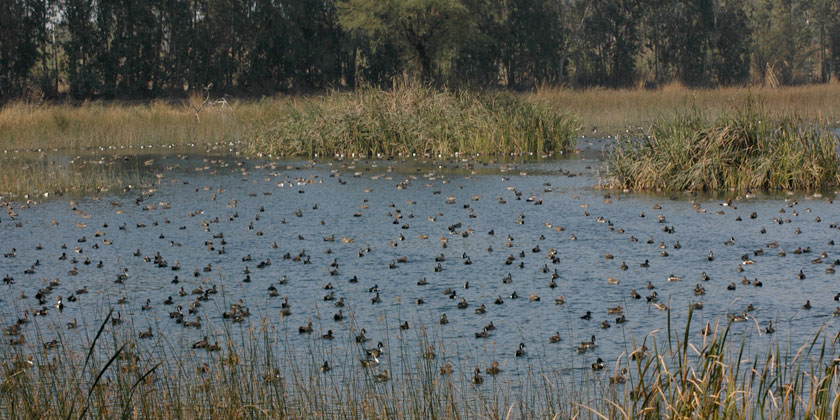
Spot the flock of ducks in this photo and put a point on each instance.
(191, 286)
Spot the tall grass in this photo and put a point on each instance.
(613, 112)
(27, 176)
(743, 151)
(415, 119)
(260, 376)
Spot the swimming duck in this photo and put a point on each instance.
(485, 333)
(443, 319)
(598, 365)
(587, 345)
(556, 338)
(740, 318)
(520, 352)
(376, 351)
(369, 362)
(560, 300)
(587, 316)
(769, 329)
(326, 366)
(305, 329)
(807, 305)
(328, 335)
(493, 369)
(619, 378)
(477, 379)
(481, 310)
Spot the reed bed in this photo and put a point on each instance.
(745, 150)
(39, 177)
(420, 120)
(258, 376)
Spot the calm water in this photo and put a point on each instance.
(406, 210)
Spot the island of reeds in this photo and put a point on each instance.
(743, 150)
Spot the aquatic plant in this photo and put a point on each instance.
(416, 119)
(743, 151)
(44, 177)
(258, 376)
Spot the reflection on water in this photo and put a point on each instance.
(382, 236)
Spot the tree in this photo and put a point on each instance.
(423, 30)
(22, 24)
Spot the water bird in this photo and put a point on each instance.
(598, 365)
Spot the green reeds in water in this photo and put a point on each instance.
(257, 373)
(745, 151)
(419, 120)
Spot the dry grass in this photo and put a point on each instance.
(684, 376)
(614, 112)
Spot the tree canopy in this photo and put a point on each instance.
(147, 48)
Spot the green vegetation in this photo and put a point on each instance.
(419, 120)
(684, 375)
(746, 151)
(154, 48)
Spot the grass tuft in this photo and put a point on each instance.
(747, 150)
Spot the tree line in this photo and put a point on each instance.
(147, 48)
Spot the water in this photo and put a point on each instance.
(199, 202)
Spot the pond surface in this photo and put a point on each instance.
(389, 225)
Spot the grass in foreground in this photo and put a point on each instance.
(746, 151)
(685, 375)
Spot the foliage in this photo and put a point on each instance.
(141, 48)
(415, 119)
(747, 151)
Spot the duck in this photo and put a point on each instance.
(485, 333)
(770, 329)
(477, 379)
(443, 319)
(362, 338)
(328, 335)
(202, 344)
(382, 377)
(493, 369)
(587, 345)
(807, 305)
(556, 338)
(376, 351)
(72, 325)
(369, 362)
(707, 330)
(520, 352)
(325, 367)
(740, 317)
(305, 329)
(146, 334)
(481, 310)
(598, 365)
(560, 300)
(619, 378)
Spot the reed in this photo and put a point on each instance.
(415, 119)
(257, 375)
(36, 177)
(745, 150)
